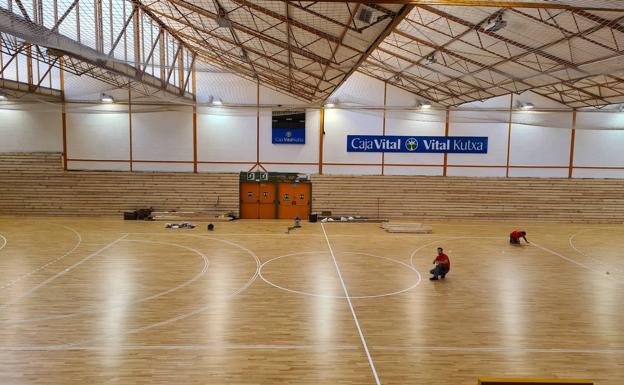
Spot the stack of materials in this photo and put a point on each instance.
(349, 218)
(412, 228)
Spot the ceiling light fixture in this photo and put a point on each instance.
(3, 97)
(106, 98)
(495, 24)
(431, 59)
(217, 102)
(424, 104)
(526, 106)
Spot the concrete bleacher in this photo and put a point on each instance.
(426, 197)
(36, 184)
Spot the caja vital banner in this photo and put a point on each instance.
(418, 144)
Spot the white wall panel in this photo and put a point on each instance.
(492, 124)
(539, 172)
(360, 89)
(412, 170)
(477, 171)
(166, 135)
(339, 123)
(398, 97)
(204, 167)
(598, 120)
(539, 146)
(226, 135)
(30, 128)
(158, 166)
(599, 148)
(351, 170)
(105, 166)
(98, 132)
(592, 173)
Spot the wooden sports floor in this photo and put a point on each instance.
(88, 301)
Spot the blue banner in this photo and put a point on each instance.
(288, 135)
(418, 144)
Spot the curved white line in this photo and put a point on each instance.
(339, 296)
(185, 315)
(42, 267)
(532, 243)
(63, 272)
(4, 241)
(411, 258)
(571, 243)
(154, 296)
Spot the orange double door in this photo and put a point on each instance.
(294, 200)
(270, 200)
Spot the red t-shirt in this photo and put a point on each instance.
(516, 234)
(444, 259)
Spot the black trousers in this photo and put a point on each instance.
(440, 269)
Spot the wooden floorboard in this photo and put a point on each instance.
(103, 301)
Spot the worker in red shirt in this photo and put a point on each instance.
(514, 237)
(442, 265)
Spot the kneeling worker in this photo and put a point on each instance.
(514, 237)
(443, 265)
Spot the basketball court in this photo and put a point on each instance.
(101, 301)
(255, 192)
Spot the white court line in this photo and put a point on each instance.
(4, 241)
(180, 316)
(184, 347)
(384, 234)
(67, 270)
(584, 266)
(412, 286)
(459, 349)
(42, 267)
(532, 243)
(199, 347)
(149, 298)
(571, 238)
(442, 240)
(357, 323)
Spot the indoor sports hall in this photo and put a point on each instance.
(246, 192)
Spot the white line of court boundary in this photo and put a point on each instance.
(571, 243)
(149, 298)
(200, 347)
(357, 323)
(574, 262)
(184, 347)
(44, 266)
(459, 349)
(63, 272)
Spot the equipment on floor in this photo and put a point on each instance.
(130, 215)
(210, 227)
(183, 225)
(412, 228)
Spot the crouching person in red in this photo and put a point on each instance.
(514, 237)
(442, 265)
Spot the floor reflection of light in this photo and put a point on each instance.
(118, 286)
(512, 315)
(215, 292)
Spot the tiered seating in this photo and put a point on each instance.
(424, 197)
(36, 184)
